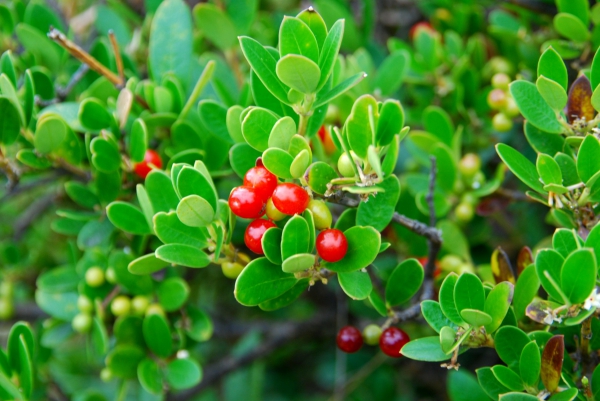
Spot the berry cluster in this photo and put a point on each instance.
(501, 100)
(262, 194)
(390, 340)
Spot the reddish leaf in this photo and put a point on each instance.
(491, 205)
(580, 100)
(501, 267)
(552, 360)
(524, 259)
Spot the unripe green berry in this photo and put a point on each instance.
(7, 308)
(231, 269)
(155, 309)
(496, 99)
(510, 108)
(464, 212)
(501, 122)
(272, 212)
(94, 276)
(84, 304)
(469, 165)
(82, 323)
(321, 214)
(371, 334)
(106, 375)
(7, 289)
(451, 263)
(120, 306)
(500, 81)
(139, 305)
(111, 276)
(345, 165)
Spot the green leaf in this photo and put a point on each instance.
(379, 210)
(534, 108)
(391, 72)
(391, 121)
(128, 218)
(552, 92)
(530, 364)
(234, 123)
(552, 66)
(299, 73)
(124, 359)
(9, 388)
(595, 71)
(319, 175)
(549, 170)
(173, 293)
(50, 132)
(158, 335)
(526, 289)
(468, 293)
(357, 285)
(549, 263)
(509, 343)
(94, 116)
(286, 298)
(200, 327)
(257, 126)
(295, 37)
(497, 304)
(264, 65)
(261, 281)
(565, 241)
(344, 86)
(329, 52)
(195, 211)
(520, 166)
(150, 377)
(214, 117)
(26, 365)
(588, 158)
(426, 349)
(19, 333)
(10, 121)
(595, 382)
(190, 181)
(242, 158)
(404, 282)
(170, 230)
(295, 237)
(282, 133)
(316, 24)
(578, 8)
(593, 241)
(490, 385)
(565, 395)
(358, 125)
(578, 275)
(508, 378)
(170, 47)
(363, 247)
(278, 162)
(298, 262)
(81, 194)
(146, 264)
(432, 312)
(571, 27)
(183, 255)
(215, 25)
(43, 49)
(105, 155)
(271, 243)
(300, 164)
(541, 142)
(447, 302)
(183, 373)
(463, 386)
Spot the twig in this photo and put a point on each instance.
(118, 59)
(84, 56)
(75, 78)
(36, 209)
(16, 190)
(364, 372)
(11, 171)
(280, 336)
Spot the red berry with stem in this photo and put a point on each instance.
(262, 180)
(332, 245)
(290, 198)
(254, 234)
(349, 339)
(246, 202)
(392, 340)
(151, 158)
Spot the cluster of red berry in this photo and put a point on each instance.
(391, 340)
(263, 194)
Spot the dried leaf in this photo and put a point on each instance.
(524, 259)
(501, 267)
(580, 100)
(552, 360)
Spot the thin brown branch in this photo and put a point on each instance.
(31, 214)
(75, 78)
(117, 52)
(84, 56)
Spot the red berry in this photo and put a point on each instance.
(262, 180)
(349, 339)
(332, 245)
(259, 162)
(143, 168)
(419, 25)
(392, 340)
(254, 234)
(326, 140)
(290, 198)
(246, 202)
